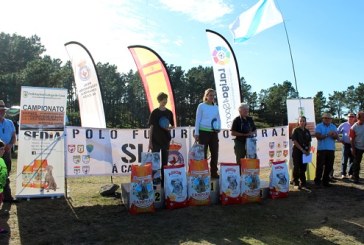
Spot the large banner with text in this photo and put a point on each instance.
(40, 166)
(93, 151)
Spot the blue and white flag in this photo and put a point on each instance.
(261, 16)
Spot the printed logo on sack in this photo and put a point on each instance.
(84, 73)
(221, 55)
(174, 156)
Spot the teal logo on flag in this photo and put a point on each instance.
(221, 55)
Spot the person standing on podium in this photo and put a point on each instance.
(242, 128)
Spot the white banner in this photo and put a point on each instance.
(226, 78)
(272, 145)
(40, 166)
(91, 151)
(87, 86)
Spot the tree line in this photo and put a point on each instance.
(23, 63)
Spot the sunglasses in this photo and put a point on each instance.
(326, 118)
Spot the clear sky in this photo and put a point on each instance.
(326, 36)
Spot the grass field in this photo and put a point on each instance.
(332, 215)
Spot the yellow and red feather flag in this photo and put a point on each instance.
(154, 75)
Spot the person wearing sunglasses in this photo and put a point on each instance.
(326, 135)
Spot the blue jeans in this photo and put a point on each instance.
(346, 156)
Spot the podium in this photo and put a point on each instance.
(158, 195)
(215, 191)
(125, 194)
(264, 189)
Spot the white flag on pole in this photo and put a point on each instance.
(227, 81)
(87, 85)
(261, 16)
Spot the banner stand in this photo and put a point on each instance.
(52, 196)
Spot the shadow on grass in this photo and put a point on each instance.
(302, 218)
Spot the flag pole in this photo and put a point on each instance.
(290, 53)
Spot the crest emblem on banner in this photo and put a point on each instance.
(285, 144)
(86, 159)
(76, 169)
(84, 72)
(89, 148)
(25, 94)
(271, 145)
(85, 169)
(77, 159)
(71, 148)
(279, 153)
(80, 148)
(285, 153)
(271, 154)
